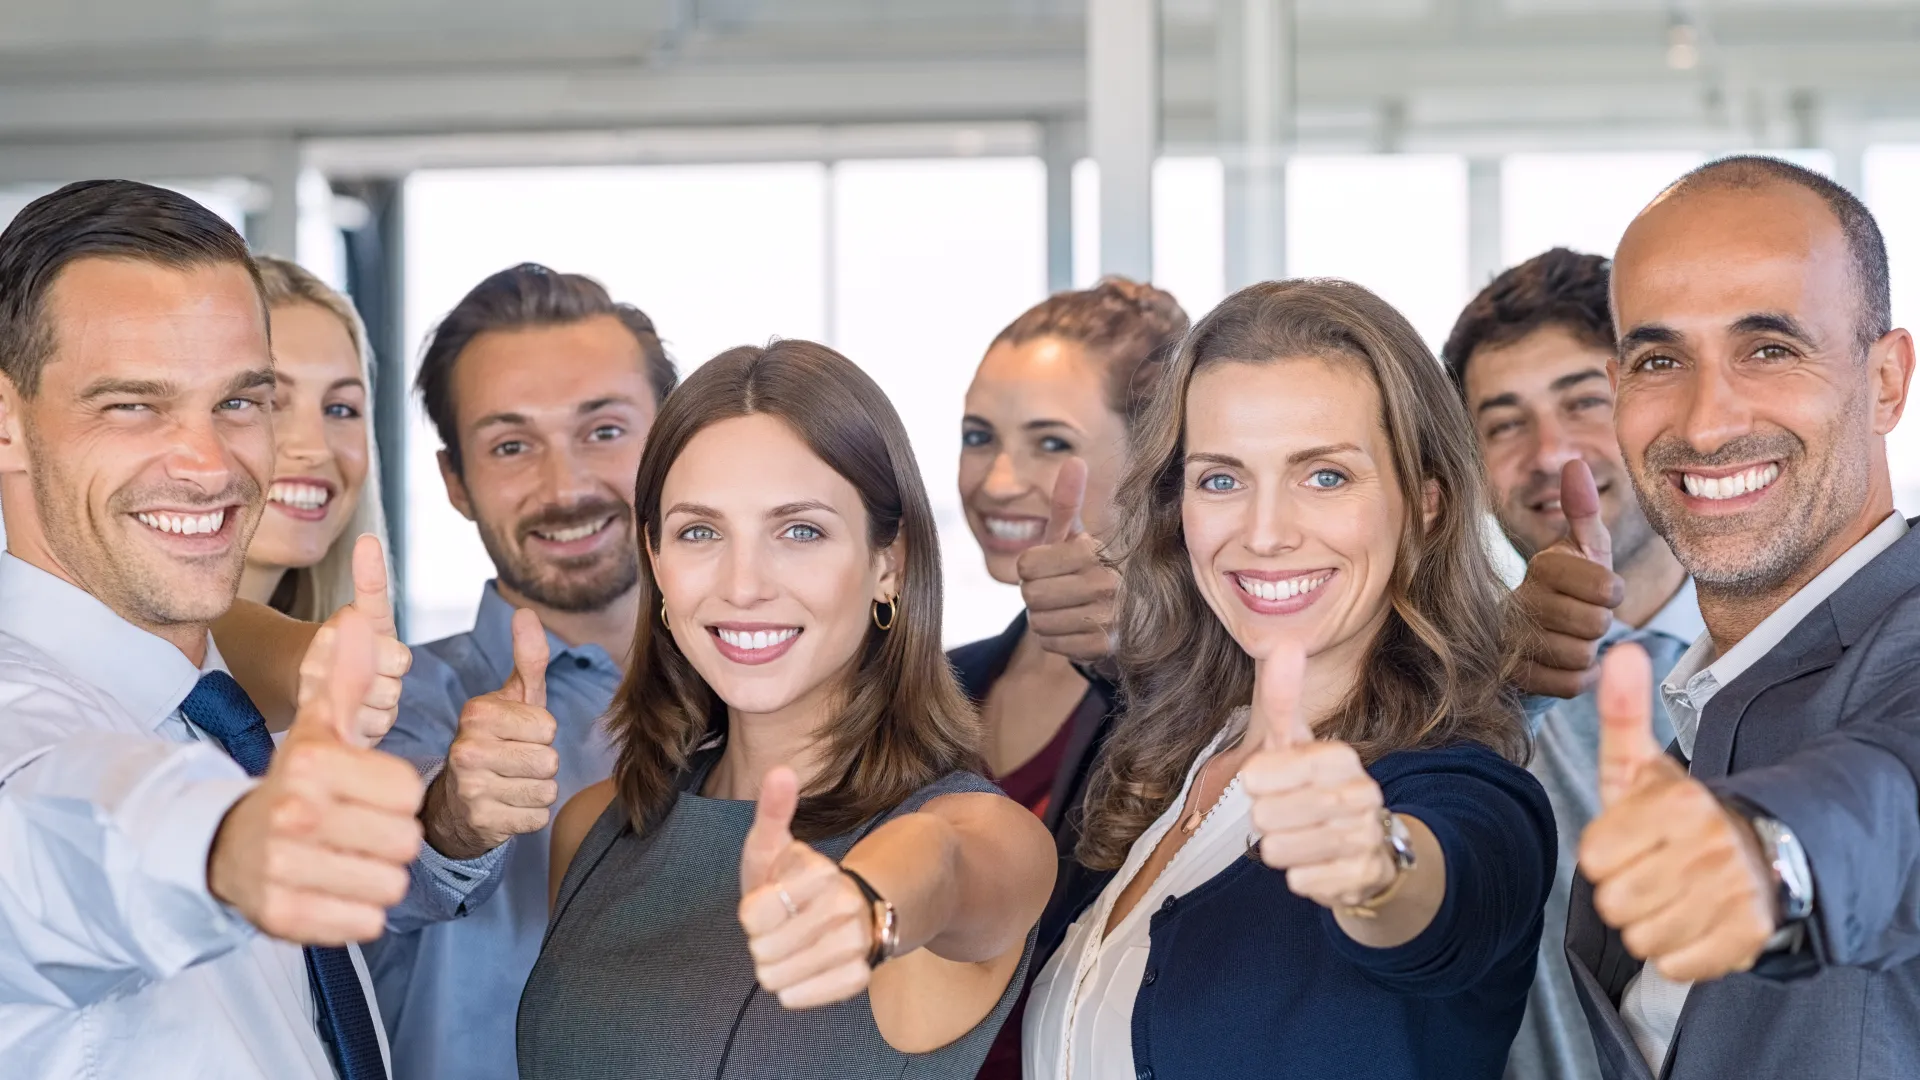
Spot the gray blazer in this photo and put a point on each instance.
(1823, 734)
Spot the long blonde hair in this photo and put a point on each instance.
(327, 586)
(1437, 672)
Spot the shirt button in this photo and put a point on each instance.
(1149, 977)
(1168, 903)
(1146, 1074)
(582, 663)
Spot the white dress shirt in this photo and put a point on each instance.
(116, 962)
(1079, 1021)
(1651, 1005)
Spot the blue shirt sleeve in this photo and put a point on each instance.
(1496, 835)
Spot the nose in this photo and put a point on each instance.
(1275, 525)
(744, 579)
(1552, 447)
(565, 478)
(1003, 482)
(299, 440)
(1717, 413)
(199, 455)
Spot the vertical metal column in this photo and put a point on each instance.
(1485, 239)
(376, 278)
(1254, 51)
(1123, 127)
(274, 229)
(1057, 156)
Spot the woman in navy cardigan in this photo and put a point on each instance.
(1324, 860)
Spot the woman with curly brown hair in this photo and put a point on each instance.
(1311, 648)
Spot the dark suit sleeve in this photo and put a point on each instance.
(1851, 798)
(1495, 830)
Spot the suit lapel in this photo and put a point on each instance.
(1808, 647)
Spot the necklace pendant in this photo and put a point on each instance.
(1192, 824)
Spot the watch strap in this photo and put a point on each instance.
(886, 926)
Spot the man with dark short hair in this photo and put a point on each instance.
(161, 862)
(1754, 906)
(542, 389)
(1530, 356)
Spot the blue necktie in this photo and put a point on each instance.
(220, 708)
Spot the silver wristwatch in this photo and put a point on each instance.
(1792, 877)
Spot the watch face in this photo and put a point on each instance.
(1790, 869)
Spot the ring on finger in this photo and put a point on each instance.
(786, 901)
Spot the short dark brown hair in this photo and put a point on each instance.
(903, 721)
(518, 297)
(1129, 327)
(102, 219)
(1559, 288)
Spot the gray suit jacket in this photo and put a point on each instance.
(1823, 734)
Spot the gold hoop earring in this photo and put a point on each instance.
(893, 613)
(663, 614)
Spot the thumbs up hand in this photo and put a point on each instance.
(374, 716)
(808, 926)
(1068, 590)
(319, 850)
(1316, 809)
(499, 778)
(1674, 869)
(1569, 594)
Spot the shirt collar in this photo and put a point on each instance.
(146, 674)
(1780, 622)
(493, 633)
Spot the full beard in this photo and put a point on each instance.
(579, 585)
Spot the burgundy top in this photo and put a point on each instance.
(1031, 785)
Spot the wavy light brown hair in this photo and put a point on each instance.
(902, 721)
(1437, 673)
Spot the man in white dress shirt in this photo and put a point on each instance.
(156, 855)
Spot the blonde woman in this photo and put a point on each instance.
(326, 478)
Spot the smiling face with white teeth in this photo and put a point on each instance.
(320, 445)
(1291, 511)
(1749, 413)
(765, 567)
(137, 469)
(1032, 406)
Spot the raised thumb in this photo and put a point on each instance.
(1069, 493)
(339, 670)
(772, 830)
(1276, 718)
(528, 683)
(1580, 502)
(370, 585)
(1625, 698)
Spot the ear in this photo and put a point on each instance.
(1429, 503)
(1892, 361)
(456, 486)
(892, 563)
(13, 430)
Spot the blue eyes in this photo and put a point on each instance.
(974, 438)
(799, 531)
(978, 438)
(1319, 480)
(340, 410)
(1055, 445)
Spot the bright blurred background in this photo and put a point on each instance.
(901, 179)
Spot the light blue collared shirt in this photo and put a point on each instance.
(1553, 1042)
(450, 992)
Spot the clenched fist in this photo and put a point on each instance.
(1674, 870)
(499, 778)
(808, 926)
(1316, 809)
(1068, 591)
(319, 851)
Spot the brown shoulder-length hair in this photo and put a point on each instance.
(1438, 670)
(902, 721)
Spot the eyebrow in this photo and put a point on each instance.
(1773, 322)
(694, 509)
(1499, 401)
(281, 378)
(602, 402)
(1294, 458)
(161, 388)
(1649, 334)
(1575, 378)
(783, 510)
(499, 418)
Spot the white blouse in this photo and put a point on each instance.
(1079, 1021)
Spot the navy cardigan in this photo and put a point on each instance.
(1245, 979)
